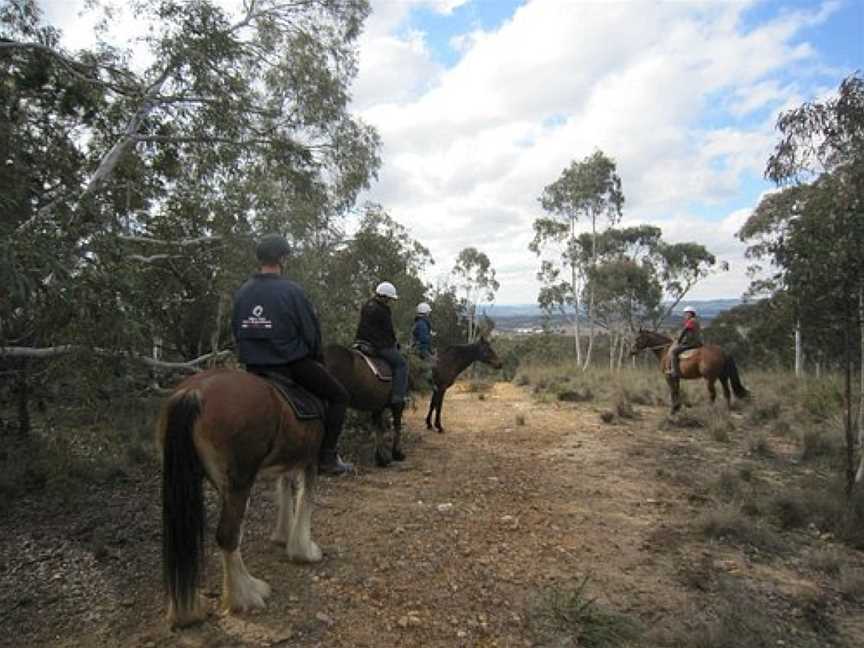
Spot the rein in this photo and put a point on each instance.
(659, 346)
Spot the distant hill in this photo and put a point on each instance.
(509, 317)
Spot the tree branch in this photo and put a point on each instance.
(49, 352)
(181, 242)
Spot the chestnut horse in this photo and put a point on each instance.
(368, 394)
(708, 362)
(452, 361)
(227, 426)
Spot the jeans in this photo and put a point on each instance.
(400, 373)
(675, 350)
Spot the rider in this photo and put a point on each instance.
(277, 330)
(689, 338)
(421, 333)
(376, 330)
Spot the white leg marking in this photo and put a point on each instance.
(301, 547)
(240, 591)
(286, 510)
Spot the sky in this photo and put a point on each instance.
(482, 103)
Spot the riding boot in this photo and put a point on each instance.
(329, 462)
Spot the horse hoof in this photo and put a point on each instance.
(398, 455)
(440, 430)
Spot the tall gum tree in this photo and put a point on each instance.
(812, 232)
(136, 191)
(589, 191)
(474, 279)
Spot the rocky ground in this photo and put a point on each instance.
(525, 524)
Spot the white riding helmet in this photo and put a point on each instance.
(386, 289)
(423, 308)
(689, 309)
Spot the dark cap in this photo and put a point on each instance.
(271, 248)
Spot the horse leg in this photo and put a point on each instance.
(382, 460)
(240, 590)
(674, 405)
(675, 393)
(724, 383)
(431, 408)
(300, 546)
(712, 391)
(397, 453)
(285, 514)
(439, 405)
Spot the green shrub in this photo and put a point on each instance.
(560, 613)
(761, 414)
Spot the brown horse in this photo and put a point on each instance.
(708, 362)
(368, 394)
(229, 425)
(452, 361)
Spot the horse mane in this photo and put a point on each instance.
(659, 336)
(459, 349)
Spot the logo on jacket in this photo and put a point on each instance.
(256, 321)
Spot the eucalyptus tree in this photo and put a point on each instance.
(638, 278)
(812, 232)
(380, 249)
(474, 279)
(238, 124)
(589, 190)
(136, 178)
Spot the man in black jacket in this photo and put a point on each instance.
(277, 330)
(376, 330)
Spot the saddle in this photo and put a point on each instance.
(305, 404)
(379, 366)
(689, 353)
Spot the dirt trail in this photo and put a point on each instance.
(447, 549)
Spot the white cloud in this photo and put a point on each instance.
(664, 88)
(682, 95)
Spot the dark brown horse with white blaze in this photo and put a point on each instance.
(452, 361)
(708, 362)
(368, 394)
(228, 426)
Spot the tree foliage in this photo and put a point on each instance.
(475, 282)
(811, 233)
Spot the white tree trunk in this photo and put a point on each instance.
(590, 313)
(621, 346)
(576, 338)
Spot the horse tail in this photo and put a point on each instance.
(183, 515)
(730, 371)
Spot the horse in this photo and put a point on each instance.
(229, 426)
(708, 362)
(451, 362)
(369, 393)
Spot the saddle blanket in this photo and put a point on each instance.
(305, 404)
(378, 366)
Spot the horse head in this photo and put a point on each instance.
(487, 353)
(648, 340)
(642, 342)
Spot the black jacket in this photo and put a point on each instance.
(273, 322)
(376, 325)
